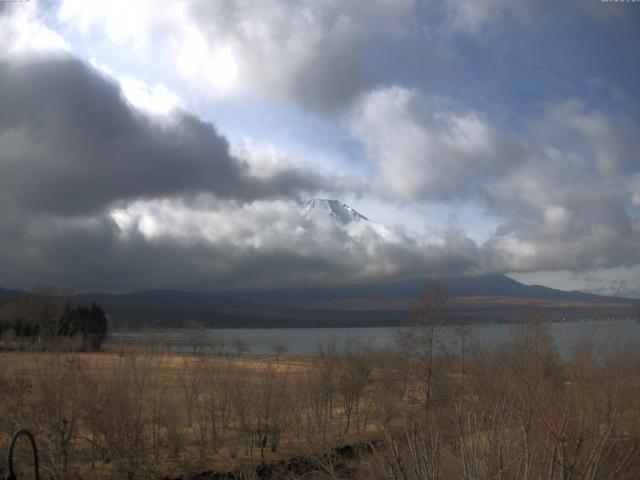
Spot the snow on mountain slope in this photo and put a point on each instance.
(334, 214)
(342, 212)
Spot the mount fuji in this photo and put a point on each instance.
(322, 207)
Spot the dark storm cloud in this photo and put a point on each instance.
(71, 144)
(259, 249)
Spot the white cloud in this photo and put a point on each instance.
(359, 250)
(559, 187)
(422, 150)
(265, 158)
(122, 22)
(162, 37)
(556, 218)
(157, 100)
(196, 59)
(559, 213)
(634, 189)
(618, 281)
(473, 16)
(307, 51)
(22, 32)
(609, 142)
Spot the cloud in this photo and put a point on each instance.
(559, 187)
(473, 16)
(320, 54)
(72, 144)
(561, 217)
(609, 142)
(23, 32)
(421, 148)
(310, 51)
(111, 185)
(219, 244)
(101, 194)
(565, 205)
(618, 281)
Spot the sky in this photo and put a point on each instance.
(172, 145)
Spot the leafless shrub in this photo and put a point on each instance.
(525, 412)
(57, 400)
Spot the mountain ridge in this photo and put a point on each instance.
(474, 299)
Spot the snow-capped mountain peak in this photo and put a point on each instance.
(341, 212)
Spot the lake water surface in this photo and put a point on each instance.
(613, 333)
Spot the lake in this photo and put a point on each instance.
(614, 333)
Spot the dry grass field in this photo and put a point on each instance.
(132, 413)
(518, 412)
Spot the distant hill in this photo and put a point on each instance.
(495, 298)
(6, 295)
(482, 298)
(483, 285)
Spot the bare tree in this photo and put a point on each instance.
(390, 384)
(423, 337)
(190, 384)
(353, 377)
(216, 343)
(279, 349)
(58, 389)
(172, 424)
(241, 347)
(196, 335)
(272, 403)
(216, 397)
(328, 360)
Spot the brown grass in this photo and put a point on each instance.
(517, 412)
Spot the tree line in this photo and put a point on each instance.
(44, 319)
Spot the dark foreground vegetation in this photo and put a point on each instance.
(515, 412)
(45, 320)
